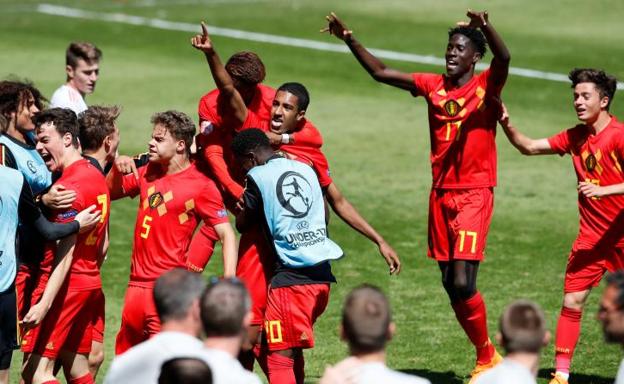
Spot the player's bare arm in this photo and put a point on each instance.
(524, 144)
(592, 190)
(58, 197)
(123, 165)
(62, 264)
(228, 245)
(351, 216)
(375, 67)
(499, 66)
(235, 104)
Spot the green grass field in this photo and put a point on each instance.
(376, 139)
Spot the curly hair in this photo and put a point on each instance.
(246, 67)
(96, 123)
(475, 35)
(14, 96)
(605, 83)
(179, 125)
(616, 279)
(64, 120)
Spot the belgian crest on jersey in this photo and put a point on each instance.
(155, 199)
(590, 162)
(451, 107)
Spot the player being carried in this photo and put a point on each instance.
(597, 149)
(287, 117)
(462, 125)
(174, 197)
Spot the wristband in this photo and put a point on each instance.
(285, 138)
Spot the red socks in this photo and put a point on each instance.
(472, 316)
(568, 331)
(281, 369)
(52, 382)
(86, 379)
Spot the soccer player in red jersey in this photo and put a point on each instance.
(597, 149)
(174, 196)
(69, 278)
(287, 118)
(462, 125)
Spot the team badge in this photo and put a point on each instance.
(451, 107)
(590, 162)
(155, 200)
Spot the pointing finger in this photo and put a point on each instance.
(204, 29)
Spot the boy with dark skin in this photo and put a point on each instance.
(462, 122)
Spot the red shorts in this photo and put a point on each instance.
(291, 313)
(201, 248)
(139, 320)
(459, 220)
(255, 269)
(587, 266)
(97, 320)
(66, 326)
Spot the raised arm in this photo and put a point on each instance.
(235, 108)
(499, 66)
(375, 67)
(523, 143)
(351, 216)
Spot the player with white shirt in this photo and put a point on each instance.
(82, 61)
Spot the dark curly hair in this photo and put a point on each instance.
(64, 120)
(14, 95)
(605, 83)
(96, 123)
(179, 125)
(475, 35)
(246, 67)
(616, 279)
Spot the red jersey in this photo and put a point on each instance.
(462, 128)
(170, 208)
(215, 138)
(91, 189)
(597, 159)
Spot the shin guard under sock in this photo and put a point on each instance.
(281, 369)
(568, 331)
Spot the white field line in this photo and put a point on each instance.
(56, 10)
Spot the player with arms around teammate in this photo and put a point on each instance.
(174, 197)
(69, 279)
(462, 124)
(82, 66)
(597, 149)
(285, 197)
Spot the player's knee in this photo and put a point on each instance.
(574, 300)
(464, 289)
(96, 358)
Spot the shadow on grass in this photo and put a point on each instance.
(578, 378)
(448, 377)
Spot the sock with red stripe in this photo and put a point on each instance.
(281, 369)
(568, 331)
(51, 382)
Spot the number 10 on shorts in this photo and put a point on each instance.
(472, 239)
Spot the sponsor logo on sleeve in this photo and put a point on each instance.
(67, 214)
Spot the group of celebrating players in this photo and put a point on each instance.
(67, 156)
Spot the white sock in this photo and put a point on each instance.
(565, 375)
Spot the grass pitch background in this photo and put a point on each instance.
(376, 139)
